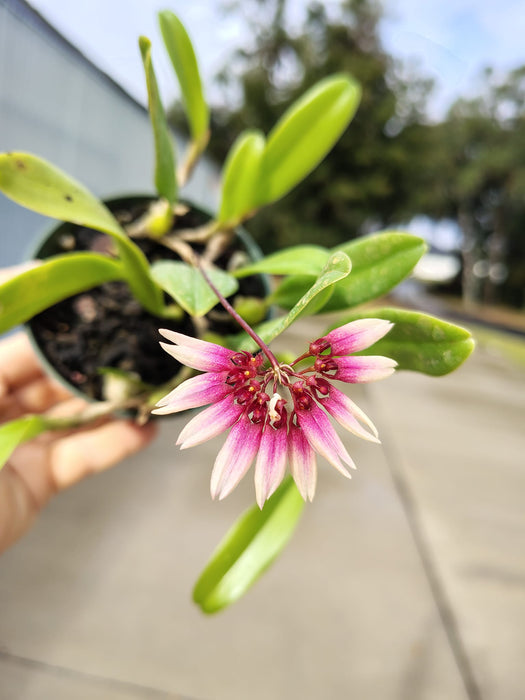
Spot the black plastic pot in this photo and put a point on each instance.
(105, 326)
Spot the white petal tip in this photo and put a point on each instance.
(165, 333)
(371, 438)
(159, 411)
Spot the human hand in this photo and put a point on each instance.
(55, 460)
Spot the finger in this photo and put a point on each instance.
(74, 457)
(38, 397)
(18, 508)
(18, 364)
(41, 395)
(68, 408)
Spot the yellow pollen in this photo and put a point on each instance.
(247, 373)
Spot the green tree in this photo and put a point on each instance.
(369, 178)
(477, 176)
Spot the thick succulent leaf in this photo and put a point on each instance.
(18, 431)
(188, 287)
(241, 177)
(54, 279)
(419, 342)
(337, 267)
(297, 260)
(379, 263)
(291, 290)
(182, 55)
(165, 176)
(306, 133)
(248, 549)
(36, 184)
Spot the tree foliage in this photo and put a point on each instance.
(363, 183)
(391, 164)
(478, 178)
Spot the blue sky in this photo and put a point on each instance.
(453, 39)
(450, 40)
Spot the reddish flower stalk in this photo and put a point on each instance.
(242, 323)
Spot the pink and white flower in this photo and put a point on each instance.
(277, 414)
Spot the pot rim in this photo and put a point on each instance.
(246, 239)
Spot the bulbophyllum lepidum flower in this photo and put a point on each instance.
(277, 413)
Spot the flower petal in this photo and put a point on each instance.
(303, 464)
(323, 438)
(235, 457)
(271, 462)
(194, 392)
(196, 353)
(348, 414)
(209, 423)
(366, 368)
(357, 335)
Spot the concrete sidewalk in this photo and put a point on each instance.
(406, 583)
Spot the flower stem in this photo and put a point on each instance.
(229, 308)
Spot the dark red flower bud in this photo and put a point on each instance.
(325, 364)
(318, 346)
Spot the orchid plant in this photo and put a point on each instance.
(277, 409)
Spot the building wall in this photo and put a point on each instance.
(54, 103)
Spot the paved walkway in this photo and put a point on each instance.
(406, 583)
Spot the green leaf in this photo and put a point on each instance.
(165, 177)
(306, 133)
(379, 262)
(420, 342)
(241, 178)
(337, 267)
(301, 259)
(189, 288)
(182, 55)
(55, 279)
(248, 549)
(36, 184)
(291, 290)
(18, 431)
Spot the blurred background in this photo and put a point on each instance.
(434, 560)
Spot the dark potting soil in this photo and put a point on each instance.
(106, 326)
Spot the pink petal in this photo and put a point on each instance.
(235, 457)
(357, 335)
(197, 391)
(348, 414)
(271, 462)
(303, 464)
(358, 370)
(196, 353)
(209, 423)
(323, 438)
